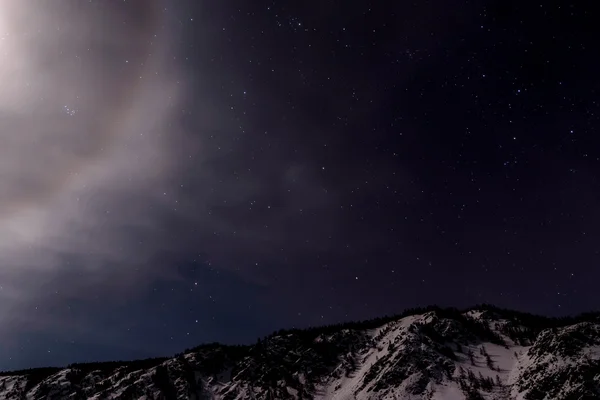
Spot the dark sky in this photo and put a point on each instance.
(178, 172)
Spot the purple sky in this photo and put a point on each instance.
(176, 172)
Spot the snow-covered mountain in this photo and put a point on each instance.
(433, 353)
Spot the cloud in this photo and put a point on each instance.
(88, 117)
(116, 165)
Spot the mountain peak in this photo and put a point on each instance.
(434, 354)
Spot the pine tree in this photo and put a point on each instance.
(483, 383)
(471, 376)
(483, 351)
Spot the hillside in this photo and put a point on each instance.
(433, 353)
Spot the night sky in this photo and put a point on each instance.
(177, 172)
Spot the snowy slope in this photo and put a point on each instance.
(434, 354)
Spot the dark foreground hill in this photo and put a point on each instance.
(433, 353)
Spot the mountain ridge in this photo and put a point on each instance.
(434, 353)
